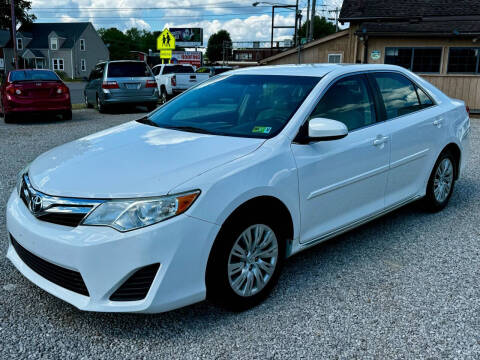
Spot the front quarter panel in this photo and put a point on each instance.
(268, 171)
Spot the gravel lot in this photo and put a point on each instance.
(404, 286)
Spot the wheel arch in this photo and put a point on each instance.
(256, 204)
(454, 149)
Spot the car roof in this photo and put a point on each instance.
(316, 70)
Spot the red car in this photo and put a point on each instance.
(34, 91)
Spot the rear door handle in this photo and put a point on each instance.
(438, 122)
(380, 140)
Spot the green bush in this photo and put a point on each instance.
(63, 75)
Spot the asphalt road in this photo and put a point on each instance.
(76, 91)
(404, 286)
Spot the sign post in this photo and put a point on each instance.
(166, 43)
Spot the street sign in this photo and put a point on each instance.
(166, 41)
(165, 54)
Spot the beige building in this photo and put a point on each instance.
(439, 40)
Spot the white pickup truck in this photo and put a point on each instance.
(172, 79)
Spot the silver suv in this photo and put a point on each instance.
(121, 82)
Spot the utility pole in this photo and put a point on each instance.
(336, 11)
(312, 18)
(308, 22)
(14, 32)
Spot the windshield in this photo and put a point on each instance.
(128, 69)
(33, 75)
(237, 105)
(177, 69)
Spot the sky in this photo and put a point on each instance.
(243, 21)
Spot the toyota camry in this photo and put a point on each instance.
(206, 197)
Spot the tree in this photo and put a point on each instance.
(117, 42)
(219, 45)
(22, 8)
(321, 28)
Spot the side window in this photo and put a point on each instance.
(425, 100)
(347, 101)
(398, 94)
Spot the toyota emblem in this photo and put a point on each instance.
(36, 204)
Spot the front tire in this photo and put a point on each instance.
(245, 261)
(87, 104)
(441, 183)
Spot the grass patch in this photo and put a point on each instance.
(78, 106)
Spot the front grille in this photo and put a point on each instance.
(66, 219)
(136, 287)
(54, 209)
(65, 278)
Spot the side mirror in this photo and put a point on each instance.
(320, 129)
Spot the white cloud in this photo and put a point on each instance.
(243, 21)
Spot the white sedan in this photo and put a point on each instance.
(208, 195)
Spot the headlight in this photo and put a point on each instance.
(20, 178)
(125, 215)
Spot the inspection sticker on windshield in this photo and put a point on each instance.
(262, 129)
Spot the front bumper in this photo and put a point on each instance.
(106, 258)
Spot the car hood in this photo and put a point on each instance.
(133, 160)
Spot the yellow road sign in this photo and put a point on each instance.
(165, 54)
(166, 41)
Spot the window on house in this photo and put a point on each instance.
(82, 44)
(20, 44)
(58, 64)
(83, 65)
(334, 58)
(424, 60)
(53, 43)
(464, 60)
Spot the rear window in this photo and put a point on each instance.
(177, 69)
(128, 69)
(33, 75)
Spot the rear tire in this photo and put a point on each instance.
(441, 183)
(100, 106)
(8, 118)
(239, 275)
(163, 96)
(67, 115)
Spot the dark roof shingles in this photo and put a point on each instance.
(40, 31)
(407, 8)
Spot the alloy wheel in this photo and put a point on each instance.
(252, 260)
(443, 180)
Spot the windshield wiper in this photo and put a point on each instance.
(145, 120)
(189, 129)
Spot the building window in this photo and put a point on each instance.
(54, 43)
(334, 58)
(464, 60)
(19, 44)
(83, 65)
(423, 60)
(82, 45)
(58, 64)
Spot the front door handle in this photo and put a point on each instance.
(380, 140)
(438, 122)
